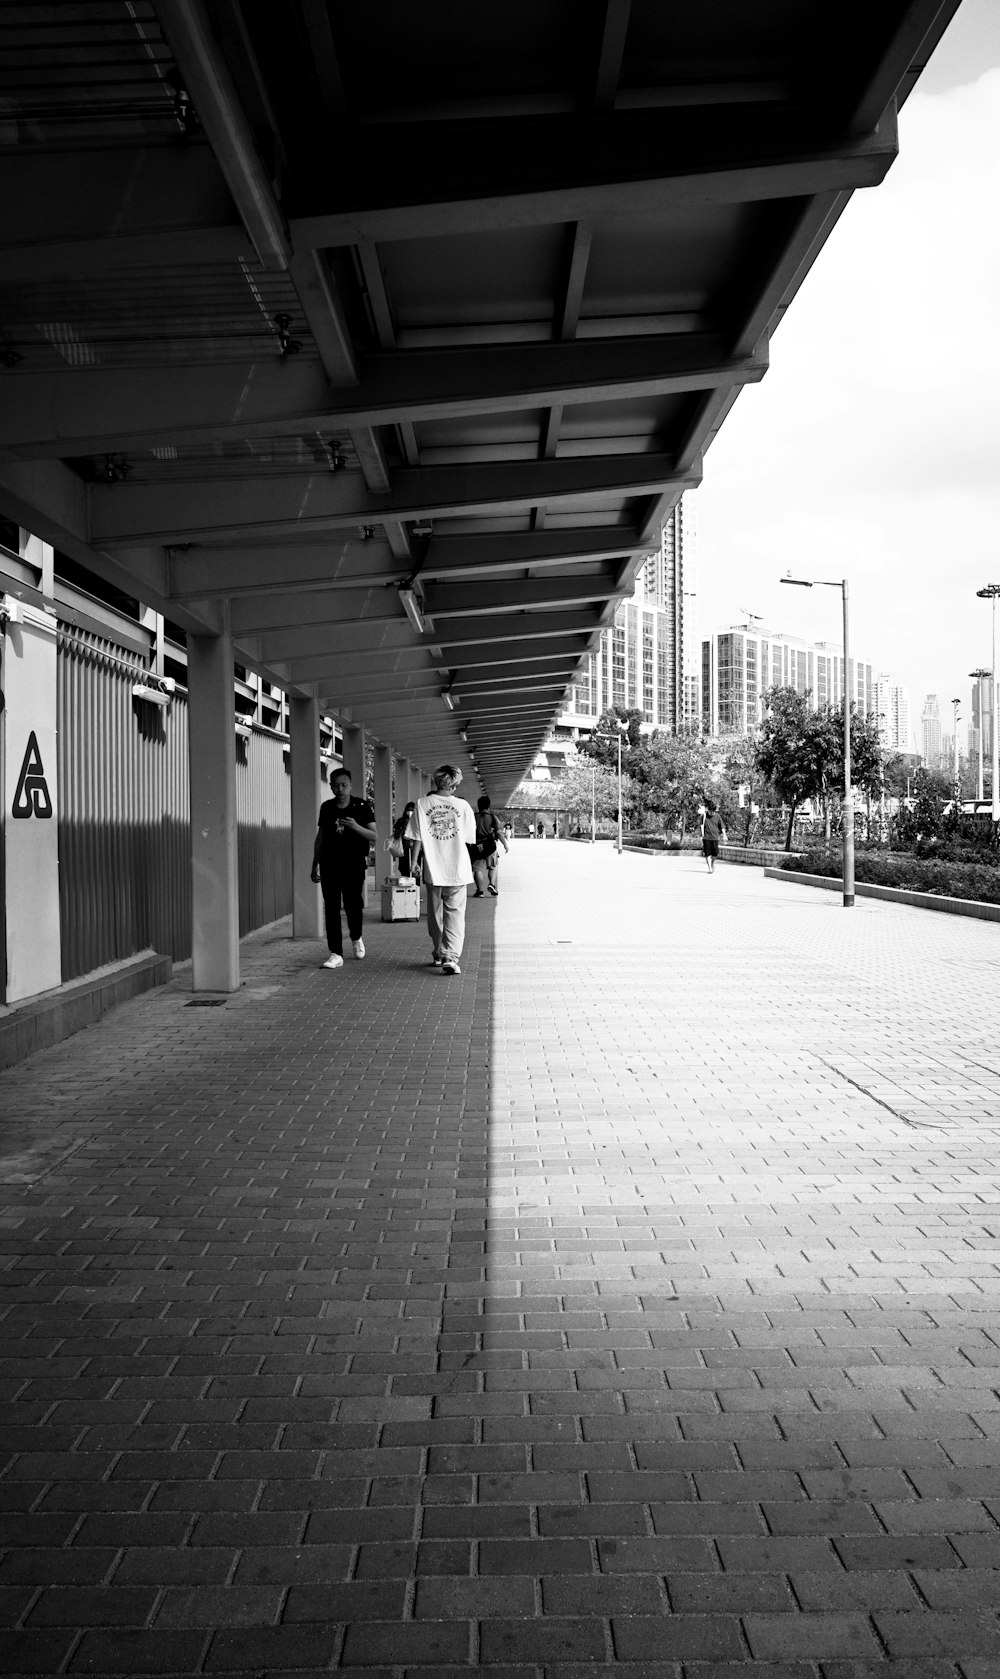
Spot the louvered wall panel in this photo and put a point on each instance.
(124, 819)
(264, 813)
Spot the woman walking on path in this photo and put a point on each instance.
(712, 832)
(484, 853)
(399, 831)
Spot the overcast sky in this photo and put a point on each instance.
(871, 449)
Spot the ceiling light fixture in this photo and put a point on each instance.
(408, 600)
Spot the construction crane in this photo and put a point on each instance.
(752, 617)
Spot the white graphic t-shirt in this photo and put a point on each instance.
(445, 827)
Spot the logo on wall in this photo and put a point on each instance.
(32, 795)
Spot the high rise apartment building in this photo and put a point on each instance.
(930, 733)
(639, 662)
(892, 710)
(739, 665)
(988, 713)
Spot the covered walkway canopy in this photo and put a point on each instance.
(373, 341)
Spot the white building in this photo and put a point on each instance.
(892, 709)
(640, 662)
(740, 663)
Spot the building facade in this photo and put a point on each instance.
(892, 709)
(930, 733)
(985, 691)
(639, 663)
(739, 664)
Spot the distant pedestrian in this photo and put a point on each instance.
(445, 827)
(408, 847)
(489, 835)
(712, 831)
(340, 861)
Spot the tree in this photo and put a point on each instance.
(584, 781)
(674, 774)
(802, 752)
(603, 743)
(793, 752)
(740, 761)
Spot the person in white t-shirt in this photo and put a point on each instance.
(444, 828)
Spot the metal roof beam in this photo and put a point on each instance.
(309, 504)
(93, 410)
(450, 178)
(207, 78)
(499, 595)
(314, 568)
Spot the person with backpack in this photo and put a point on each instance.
(484, 853)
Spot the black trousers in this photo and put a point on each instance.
(345, 887)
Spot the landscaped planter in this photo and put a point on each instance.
(893, 894)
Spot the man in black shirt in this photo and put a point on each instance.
(340, 858)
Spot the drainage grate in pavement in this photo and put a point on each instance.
(206, 1003)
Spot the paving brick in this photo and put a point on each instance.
(677, 1637)
(730, 1321)
(810, 1636)
(546, 1641)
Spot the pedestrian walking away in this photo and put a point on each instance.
(340, 859)
(409, 846)
(489, 835)
(712, 831)
(445, 827)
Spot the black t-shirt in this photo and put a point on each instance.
(342, 848)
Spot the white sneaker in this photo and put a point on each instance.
(450, 967)
(359, 948)
(334, 961)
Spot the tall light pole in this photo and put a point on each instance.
(848, 818)
(593, 801)
(954, 753)
(621, 730)
(989, 592)
(979, 673)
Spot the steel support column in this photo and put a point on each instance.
(307, 793)
(212, 746)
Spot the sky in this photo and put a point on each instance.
(871, 449)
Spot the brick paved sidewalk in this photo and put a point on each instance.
(710, 1393)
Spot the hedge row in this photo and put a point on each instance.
(978, 882)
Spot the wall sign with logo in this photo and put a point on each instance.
(30, 805)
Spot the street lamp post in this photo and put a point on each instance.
(979, 673)
(989, 592)
(593, 802)
(621, 730)
(619, 791)
(955, 776)
(848, 818)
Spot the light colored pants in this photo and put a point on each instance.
(446, 920)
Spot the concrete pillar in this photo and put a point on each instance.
(307, 794)
(29, 819)
(212, 748)
(354, 757)
(383, 812)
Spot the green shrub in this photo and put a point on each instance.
(978, 882)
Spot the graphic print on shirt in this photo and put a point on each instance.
(442, 821)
